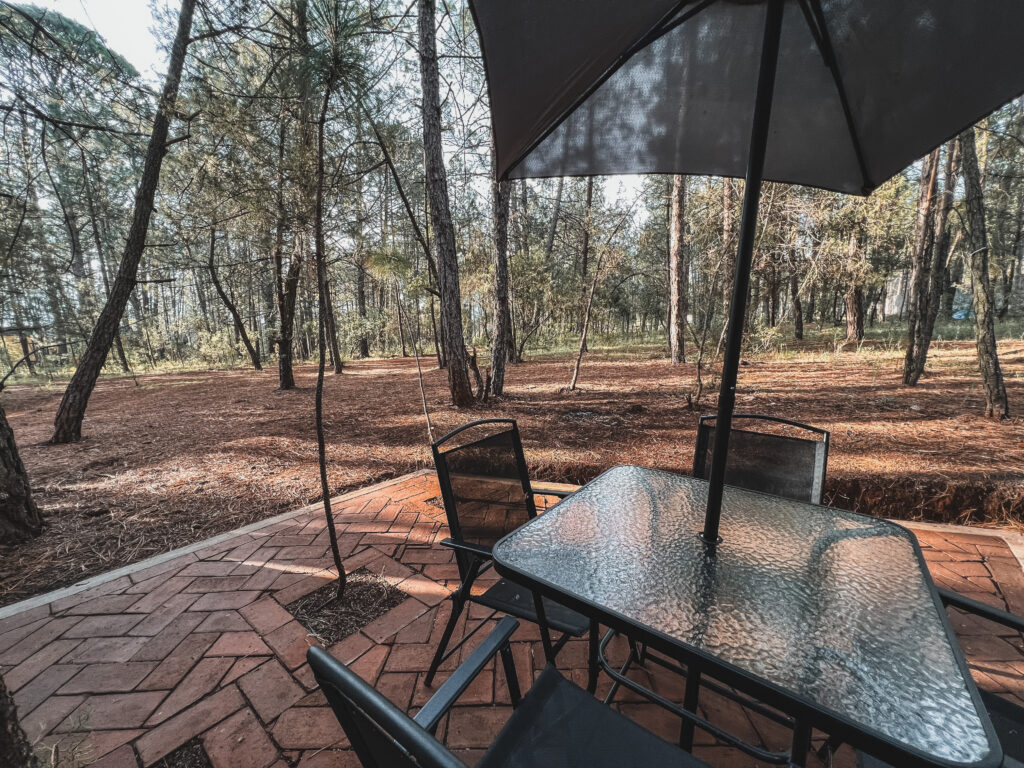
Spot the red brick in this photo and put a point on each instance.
(216, 584)
(202, 679)
(159, 596)
(270, 690)
(105, 649)
(123, 757)
(108, 604)
(43, 686)
(113, 711)
(308, 728)
(394, 620)
(424, 589)
(103, 626)
(263, 579)
(99, 743)
(265, 615)
(369, 665)
(22, 674)
(178, 663)
(44, 718)
(290, 642)
(47, 631)
(20, 619)
(16, 634)
(223, 621)
(415, 658)
(239, 644)
(156, 622)
(303, 587)
(352, 647)
(329, 758)
(397, 687)
(237, 741)
(241, 666)
(167, 568)
(208, 568)
(163, 643)
(224, 601)
(186, 725)
(108, 678)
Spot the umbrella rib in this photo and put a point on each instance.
(665, 24)
(819, 32)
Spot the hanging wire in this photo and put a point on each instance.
(419, 370)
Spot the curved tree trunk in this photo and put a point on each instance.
(254, 353)
(20, 518)
(68, 422)
(442, 231)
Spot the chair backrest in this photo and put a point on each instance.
(780, 462)
(484, 481)
(381, 734)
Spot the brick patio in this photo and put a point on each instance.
(199, 644)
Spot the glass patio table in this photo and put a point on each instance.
(827, 615)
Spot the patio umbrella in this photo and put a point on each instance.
(835, 94)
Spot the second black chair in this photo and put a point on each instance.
(486, 491)
(778, 463)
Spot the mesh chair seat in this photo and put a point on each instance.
(560, 724)
(516, 600)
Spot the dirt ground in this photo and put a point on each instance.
(176, 458)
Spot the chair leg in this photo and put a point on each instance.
(690, 698)
(545, 633)
(592, 666)
(801, 744)
(458, 603)
(511, 678)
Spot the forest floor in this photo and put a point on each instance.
(171, 459)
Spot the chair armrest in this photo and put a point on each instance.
(454, 686)
(472, 549)
(559, 494)
(952, 599)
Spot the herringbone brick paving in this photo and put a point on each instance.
(202, 646)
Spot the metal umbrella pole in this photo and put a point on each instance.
(744, 257)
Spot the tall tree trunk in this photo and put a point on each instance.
(68, 423)
(440, 215)
(363, 345)
(549, 243)
(798, 311)
(996, 404)
(240, 332)
(924, 238)
(942, 244)
(502, 316)
(15, 751)
(677, 272)
(854, 299)
(332, 330)
(20, 518)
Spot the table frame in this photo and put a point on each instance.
(806, 713)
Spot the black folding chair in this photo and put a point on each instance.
(486, 491)
(555, 724)
(780, 463)
(1007, 717)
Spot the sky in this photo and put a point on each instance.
(124, 24)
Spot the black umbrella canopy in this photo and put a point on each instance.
(836, 94)
(863, 87)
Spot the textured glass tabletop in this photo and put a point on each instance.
(829, 605)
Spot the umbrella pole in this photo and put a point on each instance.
(741, 279)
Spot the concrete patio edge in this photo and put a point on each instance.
(102, 578)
